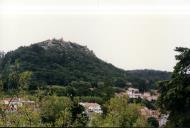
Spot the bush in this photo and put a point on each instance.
(153, 122)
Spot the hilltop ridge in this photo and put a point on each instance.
(59, 62)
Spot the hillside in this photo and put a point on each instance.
(57, 62)
(146, 79)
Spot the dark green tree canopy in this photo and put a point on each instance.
(57, 62)
(175, 93)
(152, 121)
(2, 54)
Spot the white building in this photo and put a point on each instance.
(13, 103)
(163, 120)
(133, 93)
(91, 108)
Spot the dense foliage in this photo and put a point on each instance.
(146, 79)
(51, 111)
(56, 62)
(175, 93)
(153, 122)
(62, 112)
(119, 113)
(25, 116)
(2, 54)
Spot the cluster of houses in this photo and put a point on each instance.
(134, 93)
(12, 104)
(161, 118)
(149, 113)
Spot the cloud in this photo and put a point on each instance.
(95, 7)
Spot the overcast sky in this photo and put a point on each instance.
(131, 34)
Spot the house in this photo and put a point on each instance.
(149, 113)
(148, 96)
(11, 104)
(133, 93)
(91, 108)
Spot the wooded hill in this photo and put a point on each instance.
(57, 62)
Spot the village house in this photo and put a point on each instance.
(149, 113)
(148, 96)
(133, 93)
(14, 103)
(91, 108)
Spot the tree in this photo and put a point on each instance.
(62, 112)
(17, 81)
(175, 93)
(120, 114)
(13, 77)
(2, 55)
(81, 87)
(79, 118)
(105, 90)
(120, 83)
(56, 111)
(1, 85)
(24, 78)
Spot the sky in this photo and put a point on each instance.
(130, 34)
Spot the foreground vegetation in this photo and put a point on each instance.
(120, 113)
(50, 111)
(54, 111)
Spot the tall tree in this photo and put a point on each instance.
(18, 81)
(2, 54)
(175, 93)
(1, 82)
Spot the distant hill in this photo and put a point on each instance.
(146, 79)
(57, 62)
